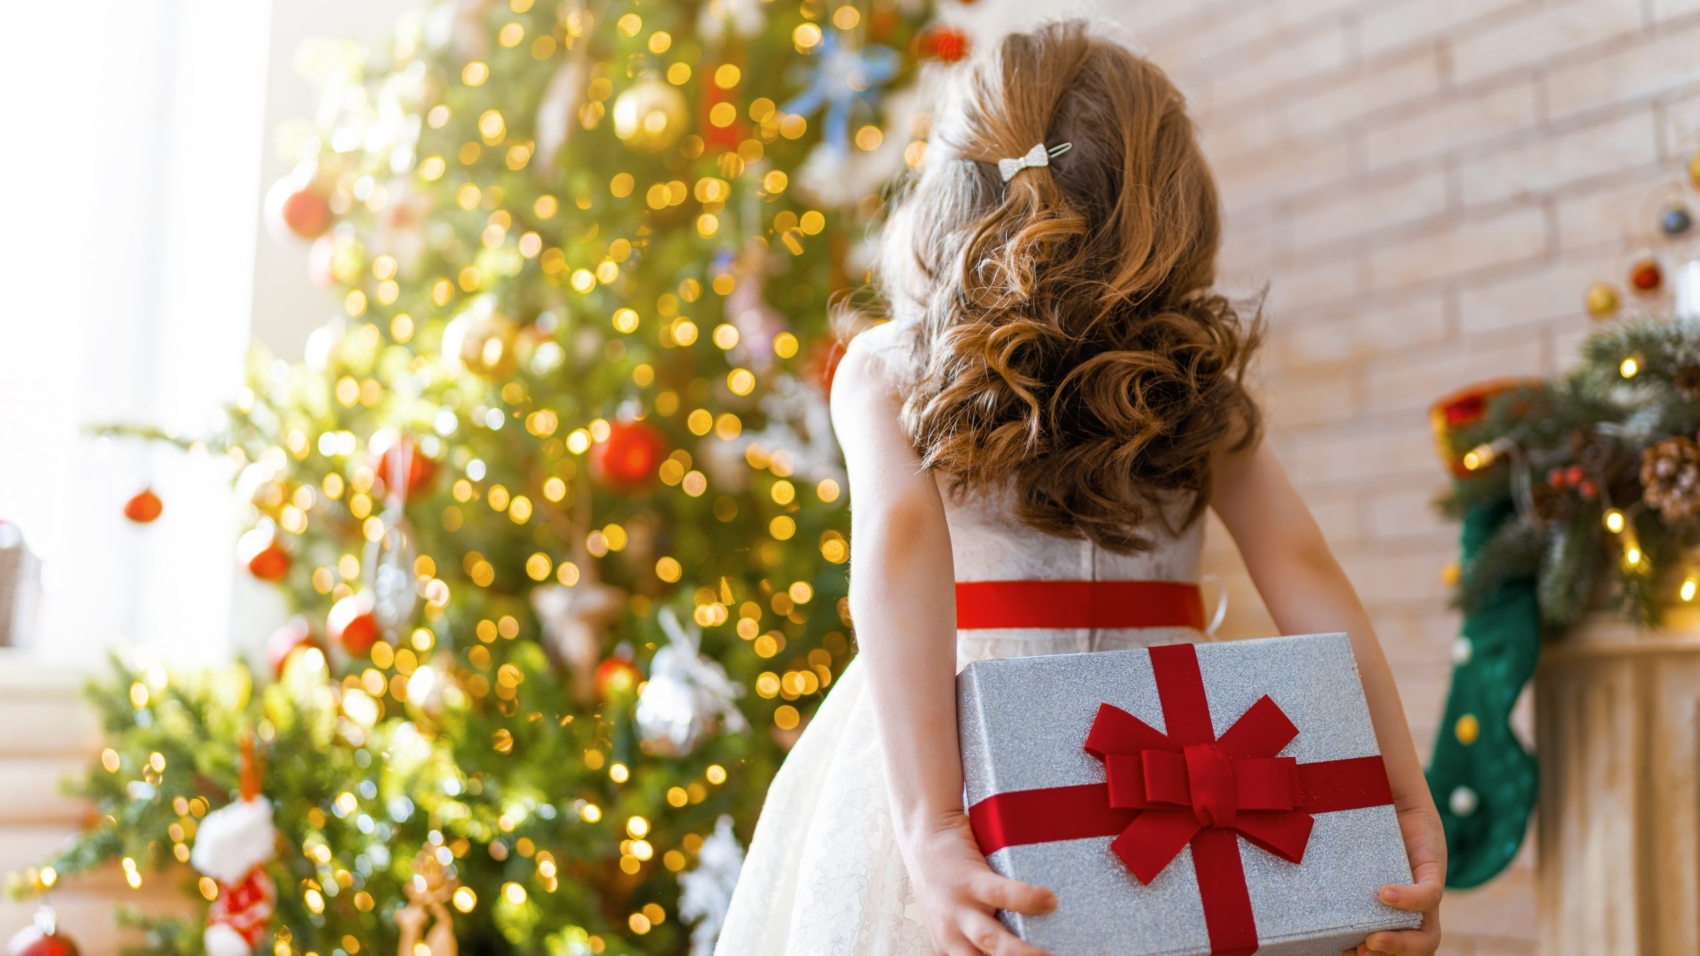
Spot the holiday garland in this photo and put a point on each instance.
(1603, 468)
(555, 498)
(1571, 491)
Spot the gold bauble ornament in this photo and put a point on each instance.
(650, 115)
(481, 339)
(1602, 300)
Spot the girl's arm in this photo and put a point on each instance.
(903, 600)
(1307, 593)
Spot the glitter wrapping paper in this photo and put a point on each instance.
(1024, 722)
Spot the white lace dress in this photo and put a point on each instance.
(824, 876)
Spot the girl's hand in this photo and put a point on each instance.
(958, 893)
(1425, 842)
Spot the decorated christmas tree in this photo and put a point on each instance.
(555, 499)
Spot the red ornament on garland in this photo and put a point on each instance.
(1645, 276)
(352, 625)
(941, 43)
(628, 457)
(42, 938)
(296, 634)
(144, 508)
(301, 211)
(262, 553)
(617, 675)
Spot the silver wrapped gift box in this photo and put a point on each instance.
(1185, 800)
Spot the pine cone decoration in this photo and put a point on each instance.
(1686, 378)
(1670, 474)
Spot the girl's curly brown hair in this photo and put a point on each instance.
(1066, 338)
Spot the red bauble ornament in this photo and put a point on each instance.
(262, 553)
(617, 675)
(1646, 276)
(824, 357)
(941, 43)
(42, 939)
(301, 211)
(352, 625)
(420, 468)
(144, 507)
(627, 459)
(295, 634)
(883, 23)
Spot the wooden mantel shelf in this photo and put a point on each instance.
(1617, 714)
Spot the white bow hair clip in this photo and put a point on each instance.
(1037, 156)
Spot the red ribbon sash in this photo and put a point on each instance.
(1186, 788)
(1070, 604)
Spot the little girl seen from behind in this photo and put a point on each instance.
(1058, 395)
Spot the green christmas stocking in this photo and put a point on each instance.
(1482, 778)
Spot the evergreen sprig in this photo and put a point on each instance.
(1595, 423)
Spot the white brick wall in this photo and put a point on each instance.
(1428, 186)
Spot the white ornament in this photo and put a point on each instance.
(575, 621)
(799, 426)
(686, 692)
(1687, 286)
(234, 839)
(1462, 651)
(706, 892)
(1463, 801)
(220, 940)
(746, 18)
(557, 111)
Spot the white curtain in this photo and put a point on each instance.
(130, 165)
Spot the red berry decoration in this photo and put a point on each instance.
(144, 508)
(1646, 276)
(628, 458)
(1586, 489)
(296, 634)
(262, 553)
(352, 625)
(1574, 475)
(42, 938)
(297, 210)
(1555, 477)
(941, 43)
(616, 675)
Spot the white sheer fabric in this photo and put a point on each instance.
(824, 876)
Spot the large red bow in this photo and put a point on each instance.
(1189, 788)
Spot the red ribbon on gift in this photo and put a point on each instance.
(1188, 787)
